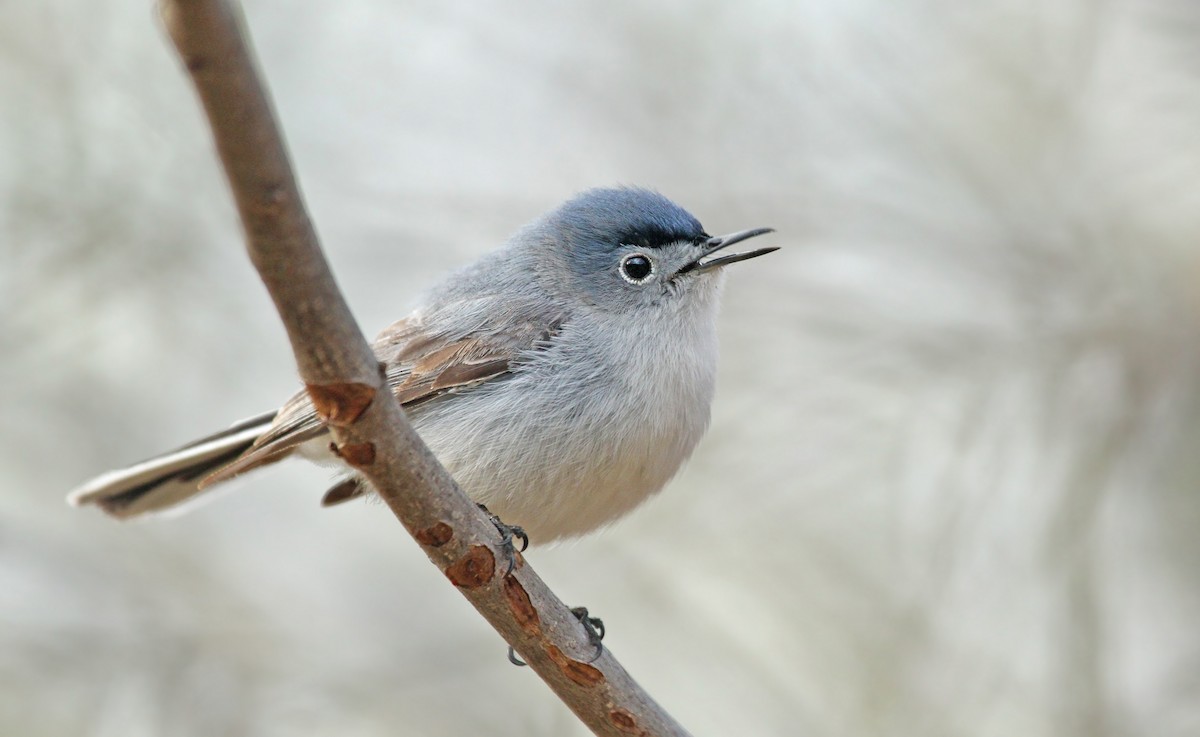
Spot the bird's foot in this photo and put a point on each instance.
(593, 626)
(508, 533)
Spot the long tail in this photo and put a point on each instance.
(171, 478)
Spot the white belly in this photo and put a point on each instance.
(561, 452)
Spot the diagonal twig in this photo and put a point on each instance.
(344, 380)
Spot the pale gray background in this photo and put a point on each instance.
(951, 483)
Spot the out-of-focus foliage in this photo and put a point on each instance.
(951, 484)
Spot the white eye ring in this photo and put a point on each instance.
(632, 266)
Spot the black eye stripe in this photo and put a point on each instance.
(651, 236)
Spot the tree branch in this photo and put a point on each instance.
(344, 380)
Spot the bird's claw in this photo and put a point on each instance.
(508, 533)
(512, 658)
(593, 626)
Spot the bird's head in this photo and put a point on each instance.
(629, 249)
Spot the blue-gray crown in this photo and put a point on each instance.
(603, 219)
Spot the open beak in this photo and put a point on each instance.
(717, 243)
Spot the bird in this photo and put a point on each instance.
(562, 379)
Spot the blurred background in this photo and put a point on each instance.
(951, 482)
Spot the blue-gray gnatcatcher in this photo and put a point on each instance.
(561, 379)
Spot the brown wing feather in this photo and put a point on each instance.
(420, 366)
(453, 367)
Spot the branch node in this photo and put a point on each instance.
(522, 608)
(625, 721)
(435, 536)
(474, 569)
(577, 671)
(341, 404)
(356, 454)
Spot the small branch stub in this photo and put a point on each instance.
(435, 536)
(356, 454)
(522, 608)
(340, 405)
(624, 721)
(581, 673)
(474, 569)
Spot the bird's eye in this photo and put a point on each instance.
(636, 268)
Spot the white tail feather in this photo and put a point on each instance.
(168, 479)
